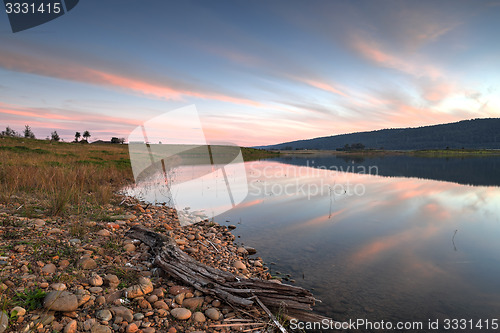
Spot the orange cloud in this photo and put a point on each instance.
(79, 73)
(323, 86)
(374, 52)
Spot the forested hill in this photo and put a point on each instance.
(472, 134)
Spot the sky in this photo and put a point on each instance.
(258, 72)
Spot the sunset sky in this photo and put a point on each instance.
(258, 72)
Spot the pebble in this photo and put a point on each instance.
(112, 280)
(131, 328)
(96, 280)
(242, 250)
(58, 286)
(104, 232)
(239, 265)
(181, 313)
(123, 312)
(212, 313)
(71, 327)
(100, 329)
(49, 269)
(179, 298)
(4, 321)
(104, 315)
(193, 303)
(199, 317)
(18, 311)
(144, 287)
(60, 301)
(138, 316)
(87, 263)
(176, 290)
(129, 247)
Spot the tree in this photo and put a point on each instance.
(28, 133)
(54, 136)
(115, 140)
(77, 136)
(86, 135)
(9, 132)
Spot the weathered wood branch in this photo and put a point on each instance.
(236, 291)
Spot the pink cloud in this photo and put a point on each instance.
(324, 86)
(65, 70)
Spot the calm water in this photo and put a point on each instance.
(416, 239)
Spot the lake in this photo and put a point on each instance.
(393, 238)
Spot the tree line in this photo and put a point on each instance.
(54, 136)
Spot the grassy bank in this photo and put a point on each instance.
(55, 178)
(40, 177)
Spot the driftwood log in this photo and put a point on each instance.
(239, 292)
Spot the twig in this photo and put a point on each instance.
(236, 324)
(253, 329)
(216, 249)
(269, 313)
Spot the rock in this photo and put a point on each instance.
(4, 321)
(104, 315)
(18, 311)
(60, 301)
(95, 280)
(100, 300)
(231, 227)
(39, 222)
(160, 305)
(131, 328)
(216, 303)
(87, 324)
(257, 263)
(100, 329)
(125, 313)
(129, 247)
(148, 330)
(152, 298)
(95, 290)
(181, 313)
(199, 317)
(112, 280)
(138, 316)
(20, 248)
(250, 250)
(49, 269)
(122, 217)
(64, 263)
(87, 263)
(104, 232)
(71, 327)
(242, 250)
(74, 241)
(193, 303)
(179, 298)
(212, 313)
(176, 290)
(58, 286)
(239, 265)
(82, 299)
(47, 319)
(144, 287)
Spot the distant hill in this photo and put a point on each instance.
(469, 134)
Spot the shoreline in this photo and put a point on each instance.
(93, 263)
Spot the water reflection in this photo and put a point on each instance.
(382, 248)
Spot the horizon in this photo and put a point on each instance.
(258, 73)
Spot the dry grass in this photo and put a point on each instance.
(59, 178)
